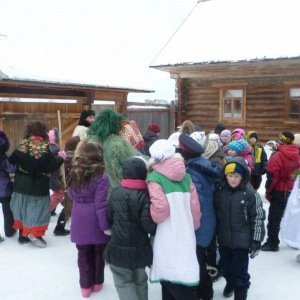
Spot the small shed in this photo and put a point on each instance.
(237, 62)
(29, 71)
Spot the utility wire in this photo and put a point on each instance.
(174, 33)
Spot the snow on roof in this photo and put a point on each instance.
(29, 61)
(234, 30)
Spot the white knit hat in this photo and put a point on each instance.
(173, 138)
(200, 137)
(297, 140)
(161, 150)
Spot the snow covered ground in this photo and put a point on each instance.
(28, 272)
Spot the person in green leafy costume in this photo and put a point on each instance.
(105, 130)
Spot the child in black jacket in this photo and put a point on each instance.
(129, 250)
(240, 226)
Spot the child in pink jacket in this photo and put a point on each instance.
(175, 207)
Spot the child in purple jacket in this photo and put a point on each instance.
(88, 189)
(6, 186)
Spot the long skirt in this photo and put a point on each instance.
(31, 213)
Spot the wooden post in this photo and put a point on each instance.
(62, 168)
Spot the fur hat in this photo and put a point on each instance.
(154, 128)
(234, 168)
(84, 114)
(226, 133)
(4, 142)
(161, 150)
(187, 127)
(219, 128)
(238, 146)
(286, 138)
(297, 140)
(200, 137)
(188, 144)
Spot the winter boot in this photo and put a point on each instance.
(267, 246)
(1, 239)
(97, 287)
(86, 293)
(228, 290)
(60, 226)
(22, 239)
(37, 241)
(240, 294)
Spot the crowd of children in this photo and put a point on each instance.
(138, 201)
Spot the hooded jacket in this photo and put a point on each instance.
(129, 214)
(280, 168)
(175, 208)
(240, 214)
(203, 174)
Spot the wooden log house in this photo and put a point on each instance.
(244, 76)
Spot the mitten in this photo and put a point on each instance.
(255, 248)
(62, 154)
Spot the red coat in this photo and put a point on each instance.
(280, 168)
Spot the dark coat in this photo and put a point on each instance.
(260, 160)
(129, 215)
(240, 213)
(55, 183)
(203, 174)
(149, 137)
(32, 177)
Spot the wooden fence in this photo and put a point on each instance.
(15, 115)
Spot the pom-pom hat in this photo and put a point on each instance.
(238, 146)
(161, 150)
(154, 128)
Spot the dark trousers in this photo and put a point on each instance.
(7, 216)
(91, 264)
(172, 291)
(205, 287)
(256, 181)
(276, 211)
(234, 266)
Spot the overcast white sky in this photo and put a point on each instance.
(132, 29)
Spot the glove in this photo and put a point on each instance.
(255, 248)
(107, 231)
(62, 154)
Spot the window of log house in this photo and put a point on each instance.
(232, 103)
(293, 103)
